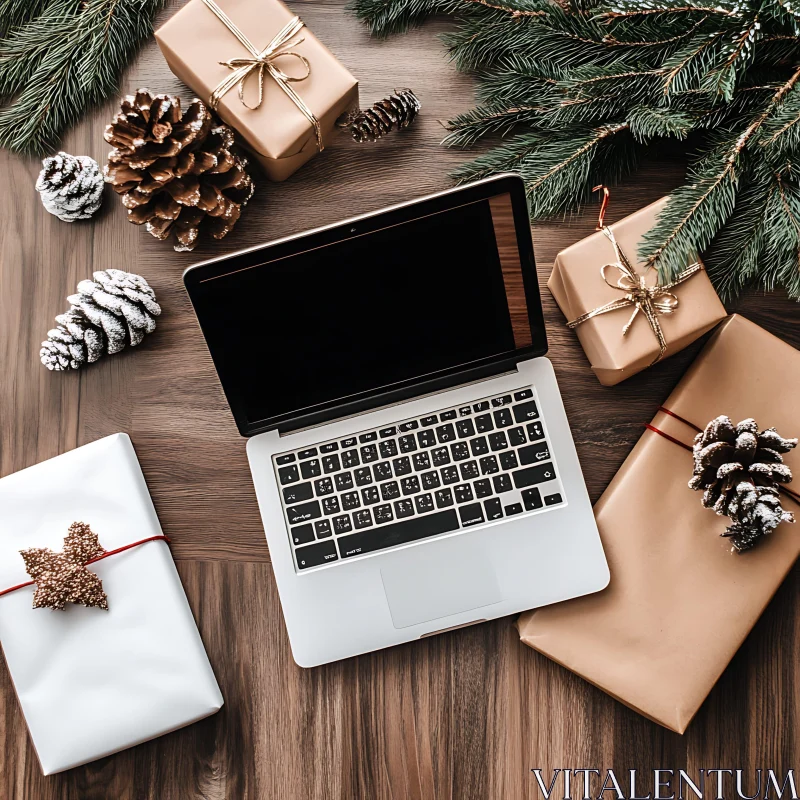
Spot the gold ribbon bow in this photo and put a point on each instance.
(649, 300)
(263, 61)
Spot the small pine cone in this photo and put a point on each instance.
(726, 455)
(114, 310)
(398, 110)
(176, 172)
(71, 186)
(755, 512)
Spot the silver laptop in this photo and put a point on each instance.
(414, 467)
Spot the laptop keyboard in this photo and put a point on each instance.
(423, 477)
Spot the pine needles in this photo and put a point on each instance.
(60, 57)
(572, 92)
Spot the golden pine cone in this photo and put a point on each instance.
(176, 172)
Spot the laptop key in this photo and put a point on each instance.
(534, 453)
(388, 449)
(409, 426)
(483, 423)
(525, 412)
(508, 460)
(390, 490)
(323, 486)
(479, 446)
(503, 418)
(363, 476)
(532, 499)
(440, 456)
(498, 441)
(424, 503)
(469, 470)
(288, 474)
(431, 420)
(464, 411)
(297, 494)
(460, 451)
(502, 483)
(463, 493)
(552, 499)
(493, 508)
(329, 448)
(430, 480)
(410, 485)
(286, 459)
(344, 481)
(310, 469)
(483, 406)
(535, 431)
(331, 464)
(368, 437)
(351, 442)
(311, 451)
(350, 501)
(383, 514)
(370, 495)
(447, 415)
(444, 498)
(385, 432)
(449, 475)
(350, 459)
(316, 554)
(362, 519)
(516, 436)
(471, 514)
(465, 428)
(445, 433)
(524, 394)
(489, 465)
(330, 505)
(303, 534)
(421, 461)
(514, 508)
(531, 475)
(426, 438)
(304, 512)
(323, 528)
(403, 508)
(408, 443)
(505, 400)
(383, 471)
(342, 524)
(483, 488)
(369, 453)
(409, 530)
(402, 466)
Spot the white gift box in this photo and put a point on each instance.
(91, 682)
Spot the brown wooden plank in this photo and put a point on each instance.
(463, 715)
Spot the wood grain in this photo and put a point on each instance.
(464, 715)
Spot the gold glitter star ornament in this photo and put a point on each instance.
(63, 577)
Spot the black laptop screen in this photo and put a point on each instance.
(372, 311)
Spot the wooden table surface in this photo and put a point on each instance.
(463, 715)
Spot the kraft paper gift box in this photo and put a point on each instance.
(194, 41)
(679, 603)
(579, 287)
(90, 681)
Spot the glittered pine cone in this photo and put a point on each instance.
(176, 172)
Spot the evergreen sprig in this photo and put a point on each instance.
(572, 92)
(60, 57)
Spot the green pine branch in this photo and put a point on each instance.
(59, 58)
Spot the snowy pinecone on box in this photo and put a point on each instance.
(71, 186)
(114, 310)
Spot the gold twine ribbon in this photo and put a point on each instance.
(649, 300)
(263, 61)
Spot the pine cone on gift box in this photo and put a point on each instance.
(71, 186)
(739, 470)
(175, 171)
(114, 310)
(398, 110)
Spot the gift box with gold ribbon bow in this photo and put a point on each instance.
(264, 72)
(626, 321)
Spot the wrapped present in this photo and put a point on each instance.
(679, 603)
(624, 320)
(264, 72)
(102, 649)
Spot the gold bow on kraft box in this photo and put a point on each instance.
(290, 89)
(674, 314)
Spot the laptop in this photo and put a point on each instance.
(412, 460)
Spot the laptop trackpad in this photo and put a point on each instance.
(437, 580)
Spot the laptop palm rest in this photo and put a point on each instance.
(442, 581)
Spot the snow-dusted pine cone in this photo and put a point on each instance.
(71, 186)
(115, 309)
(739, 470)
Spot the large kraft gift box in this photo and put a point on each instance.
(579, 287)
(194, 41)
(679, 603)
